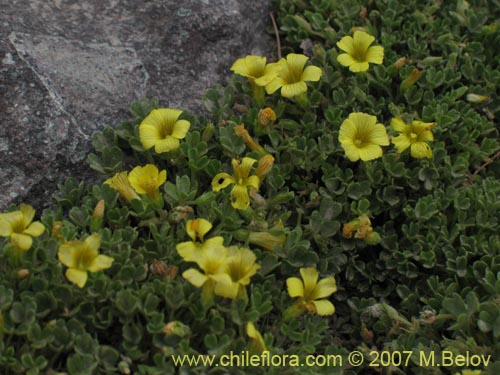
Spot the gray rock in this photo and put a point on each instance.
(69, 68)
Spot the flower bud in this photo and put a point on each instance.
(161, 269)
(97, 216)
(409, 81)
(266, 240)
(474, 98)
(264, 166)
(177, 328)
(266, 116)
(208, 132)
(56, 230)
(400, 63)
(23, 273)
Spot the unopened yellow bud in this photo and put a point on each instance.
(474, 98)
(349, 228)
(409, 81)
(176, 328)
(266, 116)
(23, 273)
(97, 216)
(266, 240)
(56, 230)
(264, 166)
(208, 132)
(400, 63)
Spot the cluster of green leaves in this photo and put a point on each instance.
(432, 283)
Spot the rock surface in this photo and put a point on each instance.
(71, 67)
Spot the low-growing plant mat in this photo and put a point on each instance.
(338, 207)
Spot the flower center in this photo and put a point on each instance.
(413, 137)
(359, 54)
(83, 258)
(165, 130)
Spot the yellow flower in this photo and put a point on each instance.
(241, 180)
(311, 293)
(191, 251)
(19, 227)
(121, 184)
(255, 69)
(257, 344)
(415, 136)
(147, 179)
(359, 53)
(212, 260)
(162, 130)
(361, 137)
(240, 266)
(292, 77)
(81, 257)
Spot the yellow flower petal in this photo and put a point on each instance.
(28, 214)
(348, 131)
(222, 180)
(189, 251)
(420, 150)
(296, 62)
(180, 129)
(346, 59)
(375, 55)
(346, 44)
(165, 145)
(5, 228)
(362, 40)
(358, 67)
(149, 135)
(293, 89)
(100, 262)
(21, 241)
(195, 277)
(77, 277)
(351, 151)
(379, 135)
(324, 288)
(324, 307)
(165, 115)
(93, 243)
(249, 66)
(224, 286)
(242, 169)
(253, 181)
(35, 229)
(65, 253)
(275, 85)
(14, 220)
(240, 198)
(398, 125)
(402, 142)
(310, 277)
(311, 73)
(198, 228)
(370, 152)
(295, 287)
